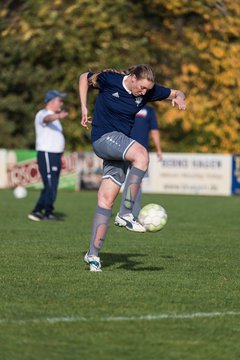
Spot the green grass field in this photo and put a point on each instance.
(169, 295)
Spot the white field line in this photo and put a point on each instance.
(70, 319)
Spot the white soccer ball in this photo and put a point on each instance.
(20, 192)
(153, 217)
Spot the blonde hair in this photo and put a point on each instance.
(141, 71)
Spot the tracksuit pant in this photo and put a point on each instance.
(49, 165)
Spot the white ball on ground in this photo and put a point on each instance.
(20, 192)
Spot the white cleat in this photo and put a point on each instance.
(129, 223)
(94, 262)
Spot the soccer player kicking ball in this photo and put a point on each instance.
(121, 95)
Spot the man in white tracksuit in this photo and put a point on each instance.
(50, 144)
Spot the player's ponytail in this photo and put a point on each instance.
(141, 71)
(93, 79)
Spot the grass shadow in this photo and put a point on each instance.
(61, 215)
(127, 262)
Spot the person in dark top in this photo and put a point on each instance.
(144, 128)
(146, 124)
(121, 95)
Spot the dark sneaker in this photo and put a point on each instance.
(36, 216)
(52, 217)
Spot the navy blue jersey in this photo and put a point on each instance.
(116, 107)
(145, 121)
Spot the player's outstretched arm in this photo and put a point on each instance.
(83, 91)
(178, 97)
(58, 115)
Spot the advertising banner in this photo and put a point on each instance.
(3, 168)
(22, 169)
(236, 175)
(177, 173)
(199, 174)
(89, 171)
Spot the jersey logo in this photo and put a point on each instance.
(116, 94)
(138, 100)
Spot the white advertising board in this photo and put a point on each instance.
(3, 168)
(197, 174)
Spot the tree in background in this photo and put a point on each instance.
(202, 57)
(193, 46)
